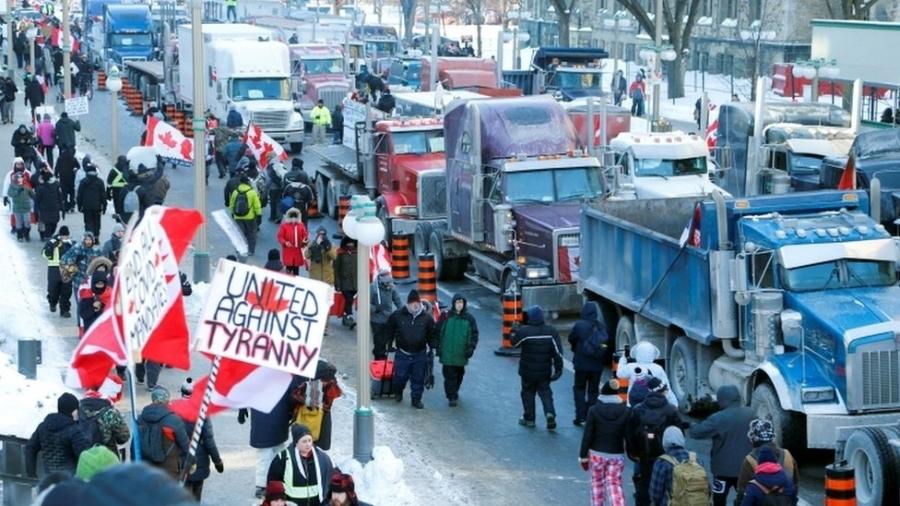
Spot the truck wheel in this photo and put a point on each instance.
(296, 147)
(625, 333)
(322, 192)
(421, 240)
(874, 461)
(683, 372)
(506, 281)
(435, 247)
(789, 426)
(332, 200)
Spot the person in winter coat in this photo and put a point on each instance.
(117, 183)
(81, 256)
(275, 177)
(232, 152)
(384, 301)
(234, 118)
(663, 468)
(539, 364)
(457, 339)
(65, 132)
(297, 191)
(386, 103)
(769, 480)
(728, 430)
(206, 451)
(59, 439)
(588, 367)
(21, 198)
(8, 106)
(320, 255)
(113, 245)
(91, 200)
(274, 494)
(637, 91)
(304, 469)
(34, 94)
(325, 388)
(90, 308)
(66, 168)
(20, 47)
(413, 330)
(246, 221)
(642, 367)
(337, 120)
(233, 182)
(46, 134)
(343, 491)
(175, 441)
(762, 435)
(345, 278)
(48, 204)
(649, 420)
(273, 261)
(94, 461)
(269, 432)
(58, 292)
(618, 87)
(321, 120)
(23, 142)
(293, 238)
(98, 410)
(151, 188)
(603, 446)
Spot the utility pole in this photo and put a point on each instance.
(657, 62)
(11, 33)
(67, 52)
(201, 248)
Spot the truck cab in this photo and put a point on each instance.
(660, 165)
(570, 72)
(465, 73)
(125, 33)
(317, 73)
(406, 70)
(795, 153)
(378, 41)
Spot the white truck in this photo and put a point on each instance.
(244, 68)
(660, 165)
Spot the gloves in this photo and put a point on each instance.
(6, 201)
(220, 466)
(429, 382)
(242, 416)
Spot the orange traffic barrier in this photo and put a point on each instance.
(512, 318)
(840, 485)
(400, 256)
(101, 80)
(137, 103)
(427, 278)
(623, 382)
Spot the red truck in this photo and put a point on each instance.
(463, 73)
(317, 73)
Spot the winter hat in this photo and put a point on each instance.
(159, 395)
(275, 490)
(231, 257)
(413, 296)
(66, 404)
(89, 235)
(297, 163)
(761, 431)
(118, 228)
(98, 277)
(144, 485)
(187, 388)
(274, 255)
(299, 430)
(656, 385)
(341, 482)
(385, 277)
(767, 455)
(95, 460)
(637, 394)
(673, 436)
(63, 231)
(610, 387)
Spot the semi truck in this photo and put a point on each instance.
(244, 69)
(569, 72)
(791, 298)
(464, 73)
(318, 72)
(514, 184)
(124, 33)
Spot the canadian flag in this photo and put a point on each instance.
(712, 122)
(262, 146)
(101, 348)
(848, 177)
(379, 260)
(168, 141)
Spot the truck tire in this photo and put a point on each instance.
(875, 462)
(789, 426)
(506, 281)
(421, 240)
(625, 333)
(682, 371)
(322, 193)
(435, 247)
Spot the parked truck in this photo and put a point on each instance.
(318, 72)
(791, 298)
(514, 184)
(124, 33)
(243, 68)
(464, 73)
(569, 72)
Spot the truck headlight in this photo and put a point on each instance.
(537, 272)
(818, 394)
(406, 210)
(296, 120)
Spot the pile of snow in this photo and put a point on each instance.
(33, 399)
(381, 480)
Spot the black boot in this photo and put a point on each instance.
(27, 234)
(20, 236)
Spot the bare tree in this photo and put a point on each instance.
(851, 9)
(477, 9)
(753, 36)
(409, 18)
(563, 10)
(679, 25)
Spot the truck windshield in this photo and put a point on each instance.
(266, 88)
(418, 143)
(578, 80)
(847, 273)
(380, 48)
(805, 163)
(552, 185)
(130, 39)
(325, 66)
(648, 167)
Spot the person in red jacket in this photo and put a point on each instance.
(292, 236)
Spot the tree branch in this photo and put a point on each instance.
(639, 13)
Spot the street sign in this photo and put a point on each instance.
(77, 106)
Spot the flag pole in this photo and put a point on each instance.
(129, 369)
(201, 417)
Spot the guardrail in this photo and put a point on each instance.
(17, 487)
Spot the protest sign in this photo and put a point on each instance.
(77, 106)
(265, 318)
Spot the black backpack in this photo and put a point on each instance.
(153, 442)
(650, 434)
(91, 426)
(594, 345)
(242, 203)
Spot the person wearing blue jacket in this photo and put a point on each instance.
(539, 364)
(588, 368)
(769, 481)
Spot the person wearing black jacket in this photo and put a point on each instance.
(66, 167)
(23, 142)
(34, 94)
(588, 369)
(206, 451)
(539, 364)
(386, 103)
(8, 106)
(276, 187)
(413, 331)
(48, 203)
(59, 438)
(337, 123)
(116, 183)
(649, 420)
(91, 200)
(603, 445)
(58, 292)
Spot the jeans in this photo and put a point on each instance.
(412, 368)
(541, 389)
(248, 227)
(231, 15)
(453, 378)
(606, 479)
(23, 220)
(9, 108)
(637, 107)
(585, 382)
(318, 134)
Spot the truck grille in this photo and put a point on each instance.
(432, 195)
(332, 95)
(880, 374)
(567, 257)
(271, 120)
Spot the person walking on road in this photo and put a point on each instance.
(23, 142)
(293, 238)
(304, 469)
(66, 168)
(163, 437)
(413, 330)
(116, 182)
(649, 420)
(46, 134)
(588, 340)
(48, 204)
(345, 278)
(34, 94)
(297, 191)
(603, 446)
(231, 10)
(20, 198)
(91, 200)
(65, 132)
(728, 430)
(77, 260)
(770, 483)
(59, 293)
(106, 426)
(320, 257)
(8, 106)
(540, 364)
(206, 451)
(677, 476)
(762, 435)
(245, 208)
(457, 339)
(59, 439)
(321, 119)
(619, 86)
(385, 300)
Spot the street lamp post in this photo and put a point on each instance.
(201, 248)
(656, 54)
(114, 85)
(362, 224)
(31, 34)
(67, 52)
(813, 69)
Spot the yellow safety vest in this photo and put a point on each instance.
(119, 181)
(293, 491)
(321, 116)
(54, 260)
(231, 3)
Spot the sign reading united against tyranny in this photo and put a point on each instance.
(265, 318)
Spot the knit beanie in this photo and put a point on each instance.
(274, 255)
(187, 388)
(673, 436)
(63, 231)
(95, 460)
(159, 395)
(298, 431)
(761, 431)
(413, 296)
(65, 493)
(610, 387)
(275, 490)
(144, 485)
(767, 455)
(66, 404)
(656, 385)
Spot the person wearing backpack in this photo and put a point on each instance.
(770, 485)
(678, 478)
(648, 423)
(457, 338)
(588, 341)
(762, 435)
(728, 430)
(245, 208)
(59, 439)
(103, 423)
(603, 446)
(164, 438)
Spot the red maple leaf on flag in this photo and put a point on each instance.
(268, 298)
(268, 149)
(187, 150)
(167, 140)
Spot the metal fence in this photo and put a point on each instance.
(17, 488)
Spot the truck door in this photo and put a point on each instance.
(494, 190)
(386, 181)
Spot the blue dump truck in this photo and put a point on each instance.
(125, 33)
(792, 298)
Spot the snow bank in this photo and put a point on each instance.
(33, 399)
